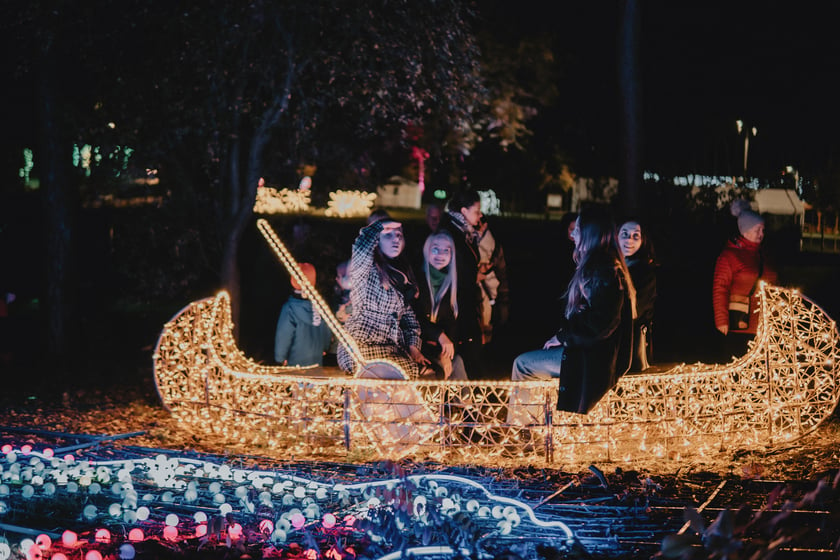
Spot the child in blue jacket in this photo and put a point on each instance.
(302, 335)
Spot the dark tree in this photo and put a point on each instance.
(630, 96)
(257, 81)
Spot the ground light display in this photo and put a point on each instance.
(123, 503)
(782, 388)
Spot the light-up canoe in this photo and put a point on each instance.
(783, 388)
(786, 384)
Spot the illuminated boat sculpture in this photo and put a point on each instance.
(786, 384)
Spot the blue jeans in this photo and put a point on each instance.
(524, 408)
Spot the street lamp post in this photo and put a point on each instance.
(754, 131)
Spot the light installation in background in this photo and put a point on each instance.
(349, 204)
(283, 201)
(782, 388)
(421, 156)
(121, 502)
(489, 202)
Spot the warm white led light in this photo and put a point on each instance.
(782, 388)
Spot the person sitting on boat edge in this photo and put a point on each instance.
(302, 336)
(382, 323)
(437, 306)
(637, 249)
(593, 346)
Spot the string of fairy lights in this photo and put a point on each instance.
(781, 389)
(123, 502)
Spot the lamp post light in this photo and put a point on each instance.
(747, 133)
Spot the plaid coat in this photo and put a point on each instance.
(383, 324)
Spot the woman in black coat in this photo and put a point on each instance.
(593, 346)
(638, 254)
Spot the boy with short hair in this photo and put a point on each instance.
(302, 336)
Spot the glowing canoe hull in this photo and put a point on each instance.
(784, 387)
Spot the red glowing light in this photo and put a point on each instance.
(136, 535)
(69, 538)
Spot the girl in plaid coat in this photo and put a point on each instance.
(383, 323)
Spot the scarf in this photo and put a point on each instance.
(469, 232)
(438, 283)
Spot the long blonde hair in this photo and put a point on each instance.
(596, 236)
(451, 280)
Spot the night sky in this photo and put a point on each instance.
(704, 66)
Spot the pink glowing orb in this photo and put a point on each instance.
(48, 453)
(266, 526)
(6, 449)
(93, 555)
(235, 532)
(136, 535)
(201, 530)
(26, 449)
(349, 520)
(329, 521)
(69, 458)
(58, 556)
(43, 541)
(69, 538)
(261, 182)
(170, 533)
(34, 552)
(298, 520)
(102, 536)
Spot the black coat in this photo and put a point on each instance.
(598, 338)
(446, 320)
(468, 294)
(643, 274)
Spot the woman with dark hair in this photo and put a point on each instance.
(437, 306)
(638, 254)
(383, 323)
(593, 346)
(461, 220)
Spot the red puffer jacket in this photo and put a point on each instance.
(739, 267)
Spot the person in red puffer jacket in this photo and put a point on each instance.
(739, 267)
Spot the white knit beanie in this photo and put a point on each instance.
(747, 219)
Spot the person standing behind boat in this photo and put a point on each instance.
(593, 346)
(638, 255)
(437, 306)
(302, 336)
(492, 280)
(383, 323)
(739, 267)
(461, 220)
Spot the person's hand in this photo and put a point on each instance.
(446, 364)
(447, 349)
(341, 313)
(551, 343)
(418, 356)
(390, 226)
(723, 329)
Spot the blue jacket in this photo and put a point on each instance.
(297, 340)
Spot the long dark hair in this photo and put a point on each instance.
(596, 237)
(396, 272)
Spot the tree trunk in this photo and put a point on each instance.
(60, 204)
(631, 135)
(247, 194)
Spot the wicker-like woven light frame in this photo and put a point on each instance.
(784, 386)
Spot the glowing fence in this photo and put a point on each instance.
(784, 386)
